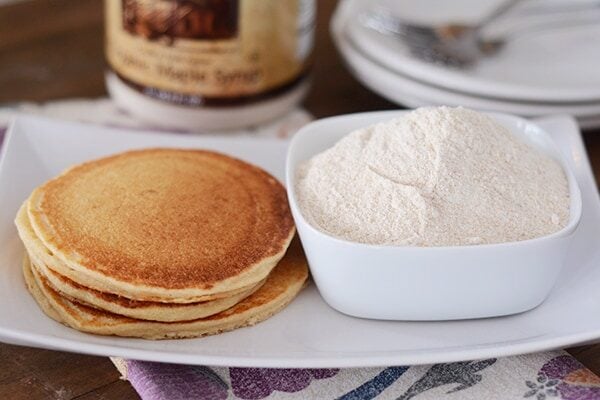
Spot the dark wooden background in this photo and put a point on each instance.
(51, 49)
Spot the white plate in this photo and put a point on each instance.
(403, 90)
(559, 65)
(307, 333)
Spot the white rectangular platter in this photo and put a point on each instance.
(308, 333)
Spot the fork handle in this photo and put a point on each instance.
(542, 27)
(499, 11)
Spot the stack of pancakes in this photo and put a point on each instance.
(161, 243)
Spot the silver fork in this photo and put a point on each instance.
(453, 45)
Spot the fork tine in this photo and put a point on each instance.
(423, 42)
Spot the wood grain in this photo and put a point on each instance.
(52, 49)
(28, 373)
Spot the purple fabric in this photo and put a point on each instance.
(560, 367)
(585, 386)
(156, 381)
(258, 383)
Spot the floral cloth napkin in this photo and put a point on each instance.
(549, 375)
(541, 376)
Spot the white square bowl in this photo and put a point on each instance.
(429, 283)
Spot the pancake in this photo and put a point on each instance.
(283, 284)
(146, 310)
(163, 224)
(36, 249)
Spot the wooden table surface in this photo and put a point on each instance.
(52, 49)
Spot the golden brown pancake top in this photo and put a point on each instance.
(169, 218)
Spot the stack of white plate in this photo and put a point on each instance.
(552, 71)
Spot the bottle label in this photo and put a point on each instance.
(190, 51)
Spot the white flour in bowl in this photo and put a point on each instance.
(435, 177)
